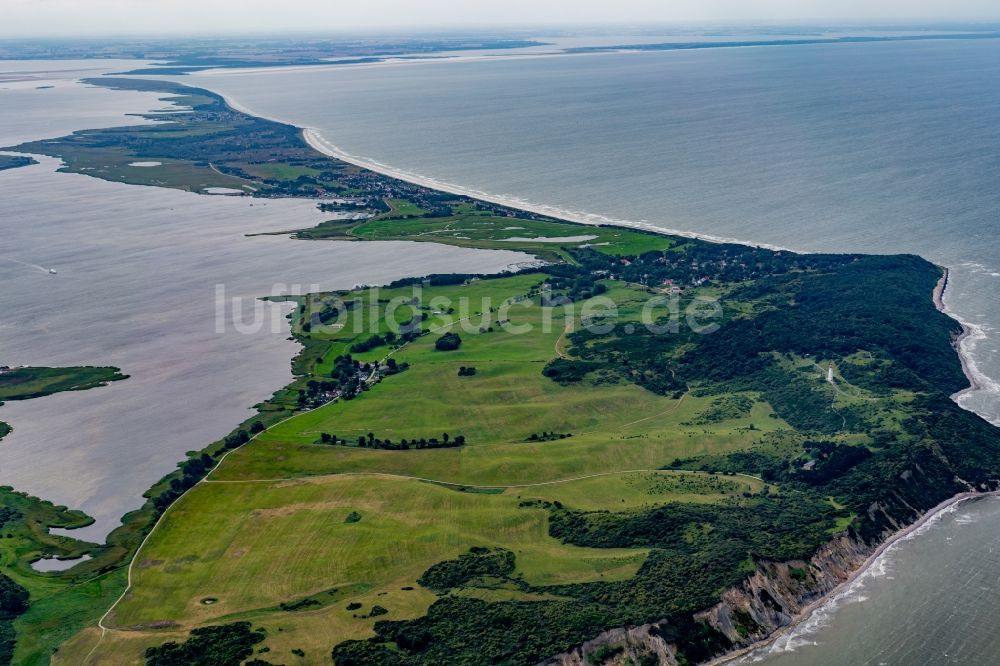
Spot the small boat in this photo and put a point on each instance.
(53, 271)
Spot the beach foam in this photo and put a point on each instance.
(318, 142)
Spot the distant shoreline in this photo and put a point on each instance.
(969, 332)
(939, 291)
(315, 140)
(318, 143)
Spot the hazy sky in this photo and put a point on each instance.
(30, 18)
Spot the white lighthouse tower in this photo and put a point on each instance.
(829, 373)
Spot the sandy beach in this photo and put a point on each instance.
(317, 142)
(939, 290)
(967, 331)
(971, 333)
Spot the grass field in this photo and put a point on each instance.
(614, 426)
(468, 227)
(250, 546)
(403, 208)
(61, 604)
(115, 165)
(286, 531)
(269, 526)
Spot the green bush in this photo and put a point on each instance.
(220, 645)
(448, 342)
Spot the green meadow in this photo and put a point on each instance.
(612, 425)
(27, 383)
(469, 227)
(269, 526)
(60, 603)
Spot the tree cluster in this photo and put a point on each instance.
(448, 342)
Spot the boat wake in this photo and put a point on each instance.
(36, 267)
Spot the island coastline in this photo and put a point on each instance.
(970, 332)
(904, 533)
(318, 143)
(872, 560)
(313, 139)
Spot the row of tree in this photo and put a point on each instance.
(372, 442)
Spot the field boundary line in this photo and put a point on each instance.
(128, 586)
(319, 477)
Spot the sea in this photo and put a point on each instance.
(874, 147)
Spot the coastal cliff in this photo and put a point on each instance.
(771, 599)
(780, 595)
(775, 598)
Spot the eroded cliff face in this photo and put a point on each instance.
(778, 591)
(750, 612)
(636, 644)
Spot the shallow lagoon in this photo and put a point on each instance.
(137, 273)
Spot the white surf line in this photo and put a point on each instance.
(906, 533)
(317, 142)
(25, 263)
(312, 136)
(964, 344)
(975, 377)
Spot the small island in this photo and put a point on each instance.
(25, 383)
(25, 520)
(15, 161)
